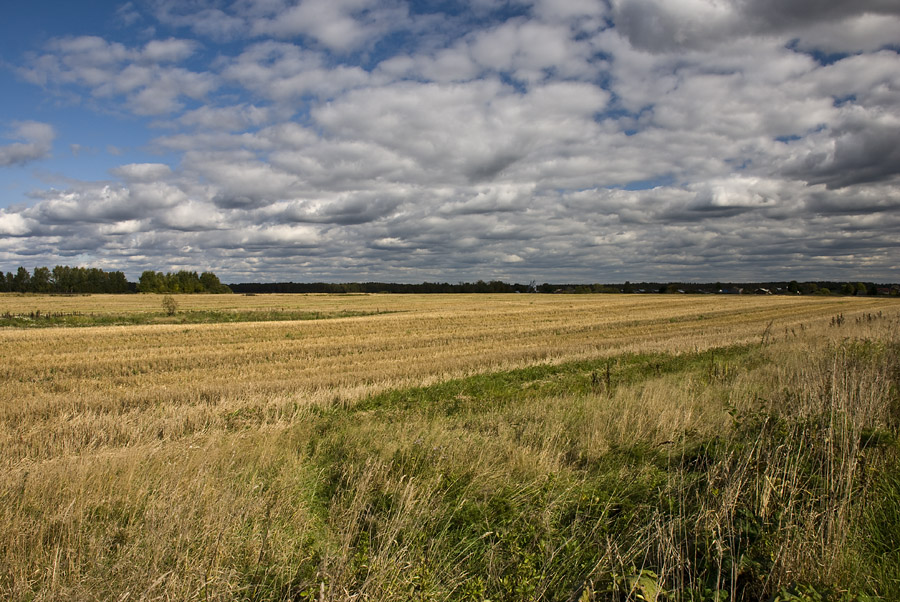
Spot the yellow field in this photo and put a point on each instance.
(68, 390)
(84, 411)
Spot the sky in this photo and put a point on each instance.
(411, 141)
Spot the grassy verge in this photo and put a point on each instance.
(758, 472)
(521, 485)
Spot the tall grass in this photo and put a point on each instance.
(653, 491)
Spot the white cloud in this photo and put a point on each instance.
(207, 21)
(192, 216)
(142, 172)
(465, 133)
(13, 224)
(531, 51)
(37, 142)
(167, 51)
(234, 118)
(110, 69)
(564, 10)
(242, 181)
(340, 25)
(280, 234)
(285, 72)
(131, 226)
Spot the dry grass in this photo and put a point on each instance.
(65, 391)
(230, 461)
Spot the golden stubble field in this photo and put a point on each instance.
(69, 391)
(231, 460)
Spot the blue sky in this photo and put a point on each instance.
(555, 140)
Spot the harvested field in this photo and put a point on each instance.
(245, 459)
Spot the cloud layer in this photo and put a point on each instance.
(561, 141)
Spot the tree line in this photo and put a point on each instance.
(180, 282)
(80, 280)
(64, 279)
(496, 286)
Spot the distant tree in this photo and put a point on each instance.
(150, 282)
(603, 288)
(95, 281)
(861, 289)
(808, 288)
(21, 281)
(183, 281)
(40, 280)
(627, 288)
(211, 284)
(61, 276)
(117, 283)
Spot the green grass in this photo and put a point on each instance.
(38, 319)
(638, 520)
(488, 392)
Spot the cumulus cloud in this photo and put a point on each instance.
(529, 49)
(145, 76)
(204, 19)
(13, 224)
(286, 72)
(142, 172)
(35, 142)
(859, 153)
(233, 118)
(484, 131)
(592, 11)
(340, 25)
(167, 51)
(191, 216)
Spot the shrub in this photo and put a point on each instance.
(170, 305)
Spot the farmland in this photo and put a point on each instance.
(462, 447)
